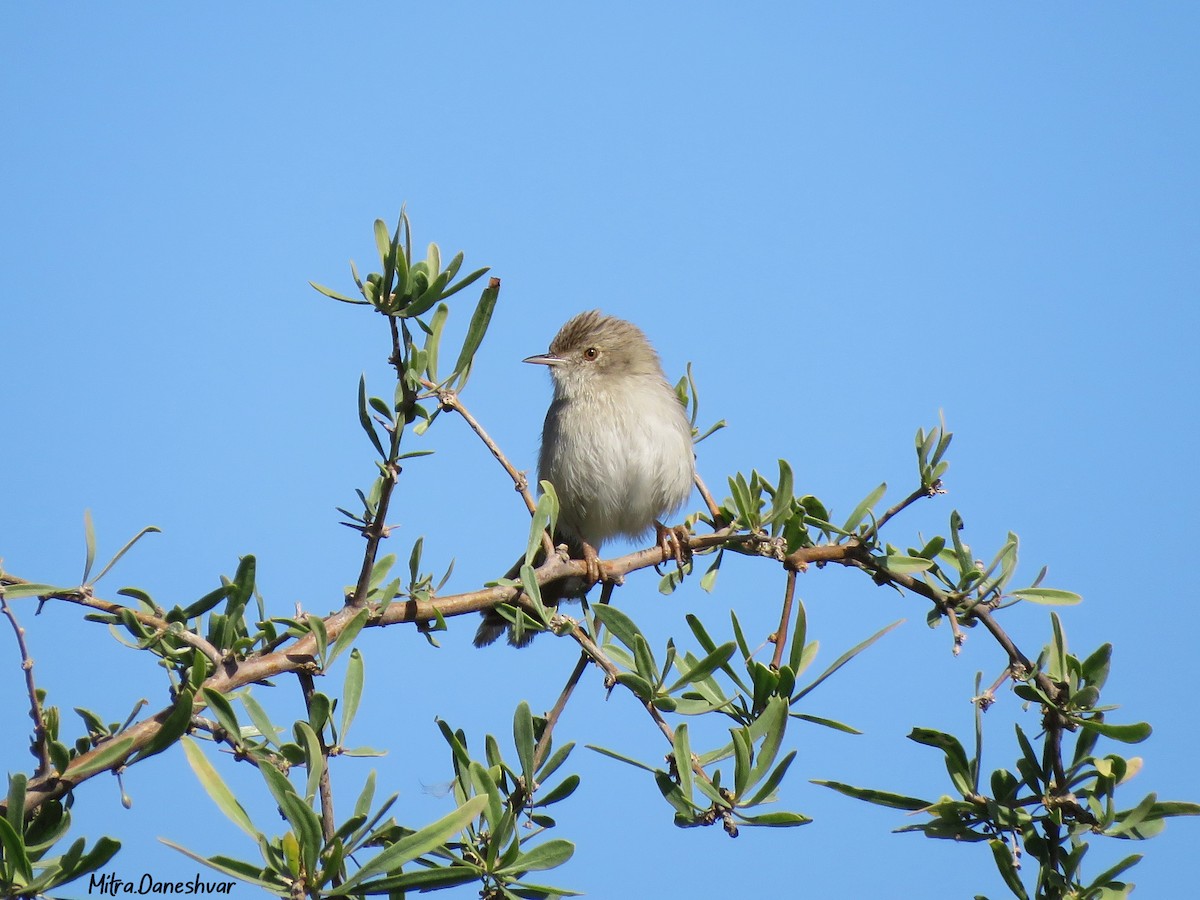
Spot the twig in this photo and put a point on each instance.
(908, 501)
(780, 637)
(220, 735)
(713, 509)
(40, 747)
(543, 747)
(328, 826)
(85, 598)
(598, 656)
(450, 401)
(376, 531)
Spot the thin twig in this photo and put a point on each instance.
(220, 735)
(450, 401)
(908, 501)
(41, 740)
(86, 598)
(328, 826)
(713, 509)
(598, 656)
(543, 747)
(785, 617)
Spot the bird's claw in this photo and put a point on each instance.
(673, 542)
(595, 568)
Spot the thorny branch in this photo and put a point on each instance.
(231, 673)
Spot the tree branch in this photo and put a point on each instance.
(450, 402)
(40, 747)
(328, 824)
(780, 636)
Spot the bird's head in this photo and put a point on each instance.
(592, 349)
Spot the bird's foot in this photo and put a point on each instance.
(673, 542)
(596, 570)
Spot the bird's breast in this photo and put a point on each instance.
(619, 460)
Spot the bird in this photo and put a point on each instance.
(616, 445)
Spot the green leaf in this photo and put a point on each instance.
(646, 666)
(320, 634)
(742, 750)
(329, 292)
(775, 820)
(1110, 874)
(383, 242)
(149, 529)
(304, 822)
(364, 417)
(15, 856)
(557, 758)
(1095, 668)
(799, 636)
(261, 720)
(682, 750)
(962, 553)
(1047, 596)
(89, 539)
(433, 340)
(104, 850)
(828, 723)
(560, 792)
(620, 757)
(956, 757)
(351, 691)
(879, 798)
(767, 791)
(845, 658)
(15, 812)
(205, 603)
(475, 331)
(523, 741)
(636, 683)
(314, 759)
(348, 634)
(1126, 734)
(906, 565)
(107, 756)
(216, 787)
(19, 591)
(247, 872)
(549, 855)
(534, 592)
(222, 709)
(781, 506)
(486, 785)
(621, 626)
(773, 723)
(1003, 855)
(414, 845)
(864, 506)
(175, 725)
(705, 667)
(709, 579)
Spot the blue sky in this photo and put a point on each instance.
(848, 218)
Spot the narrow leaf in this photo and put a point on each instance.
(216, 787)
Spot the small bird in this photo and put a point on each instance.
(616, 444)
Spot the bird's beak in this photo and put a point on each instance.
(544, 359)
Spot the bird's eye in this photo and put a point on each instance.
(591, 353)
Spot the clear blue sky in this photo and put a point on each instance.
(847, 216)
